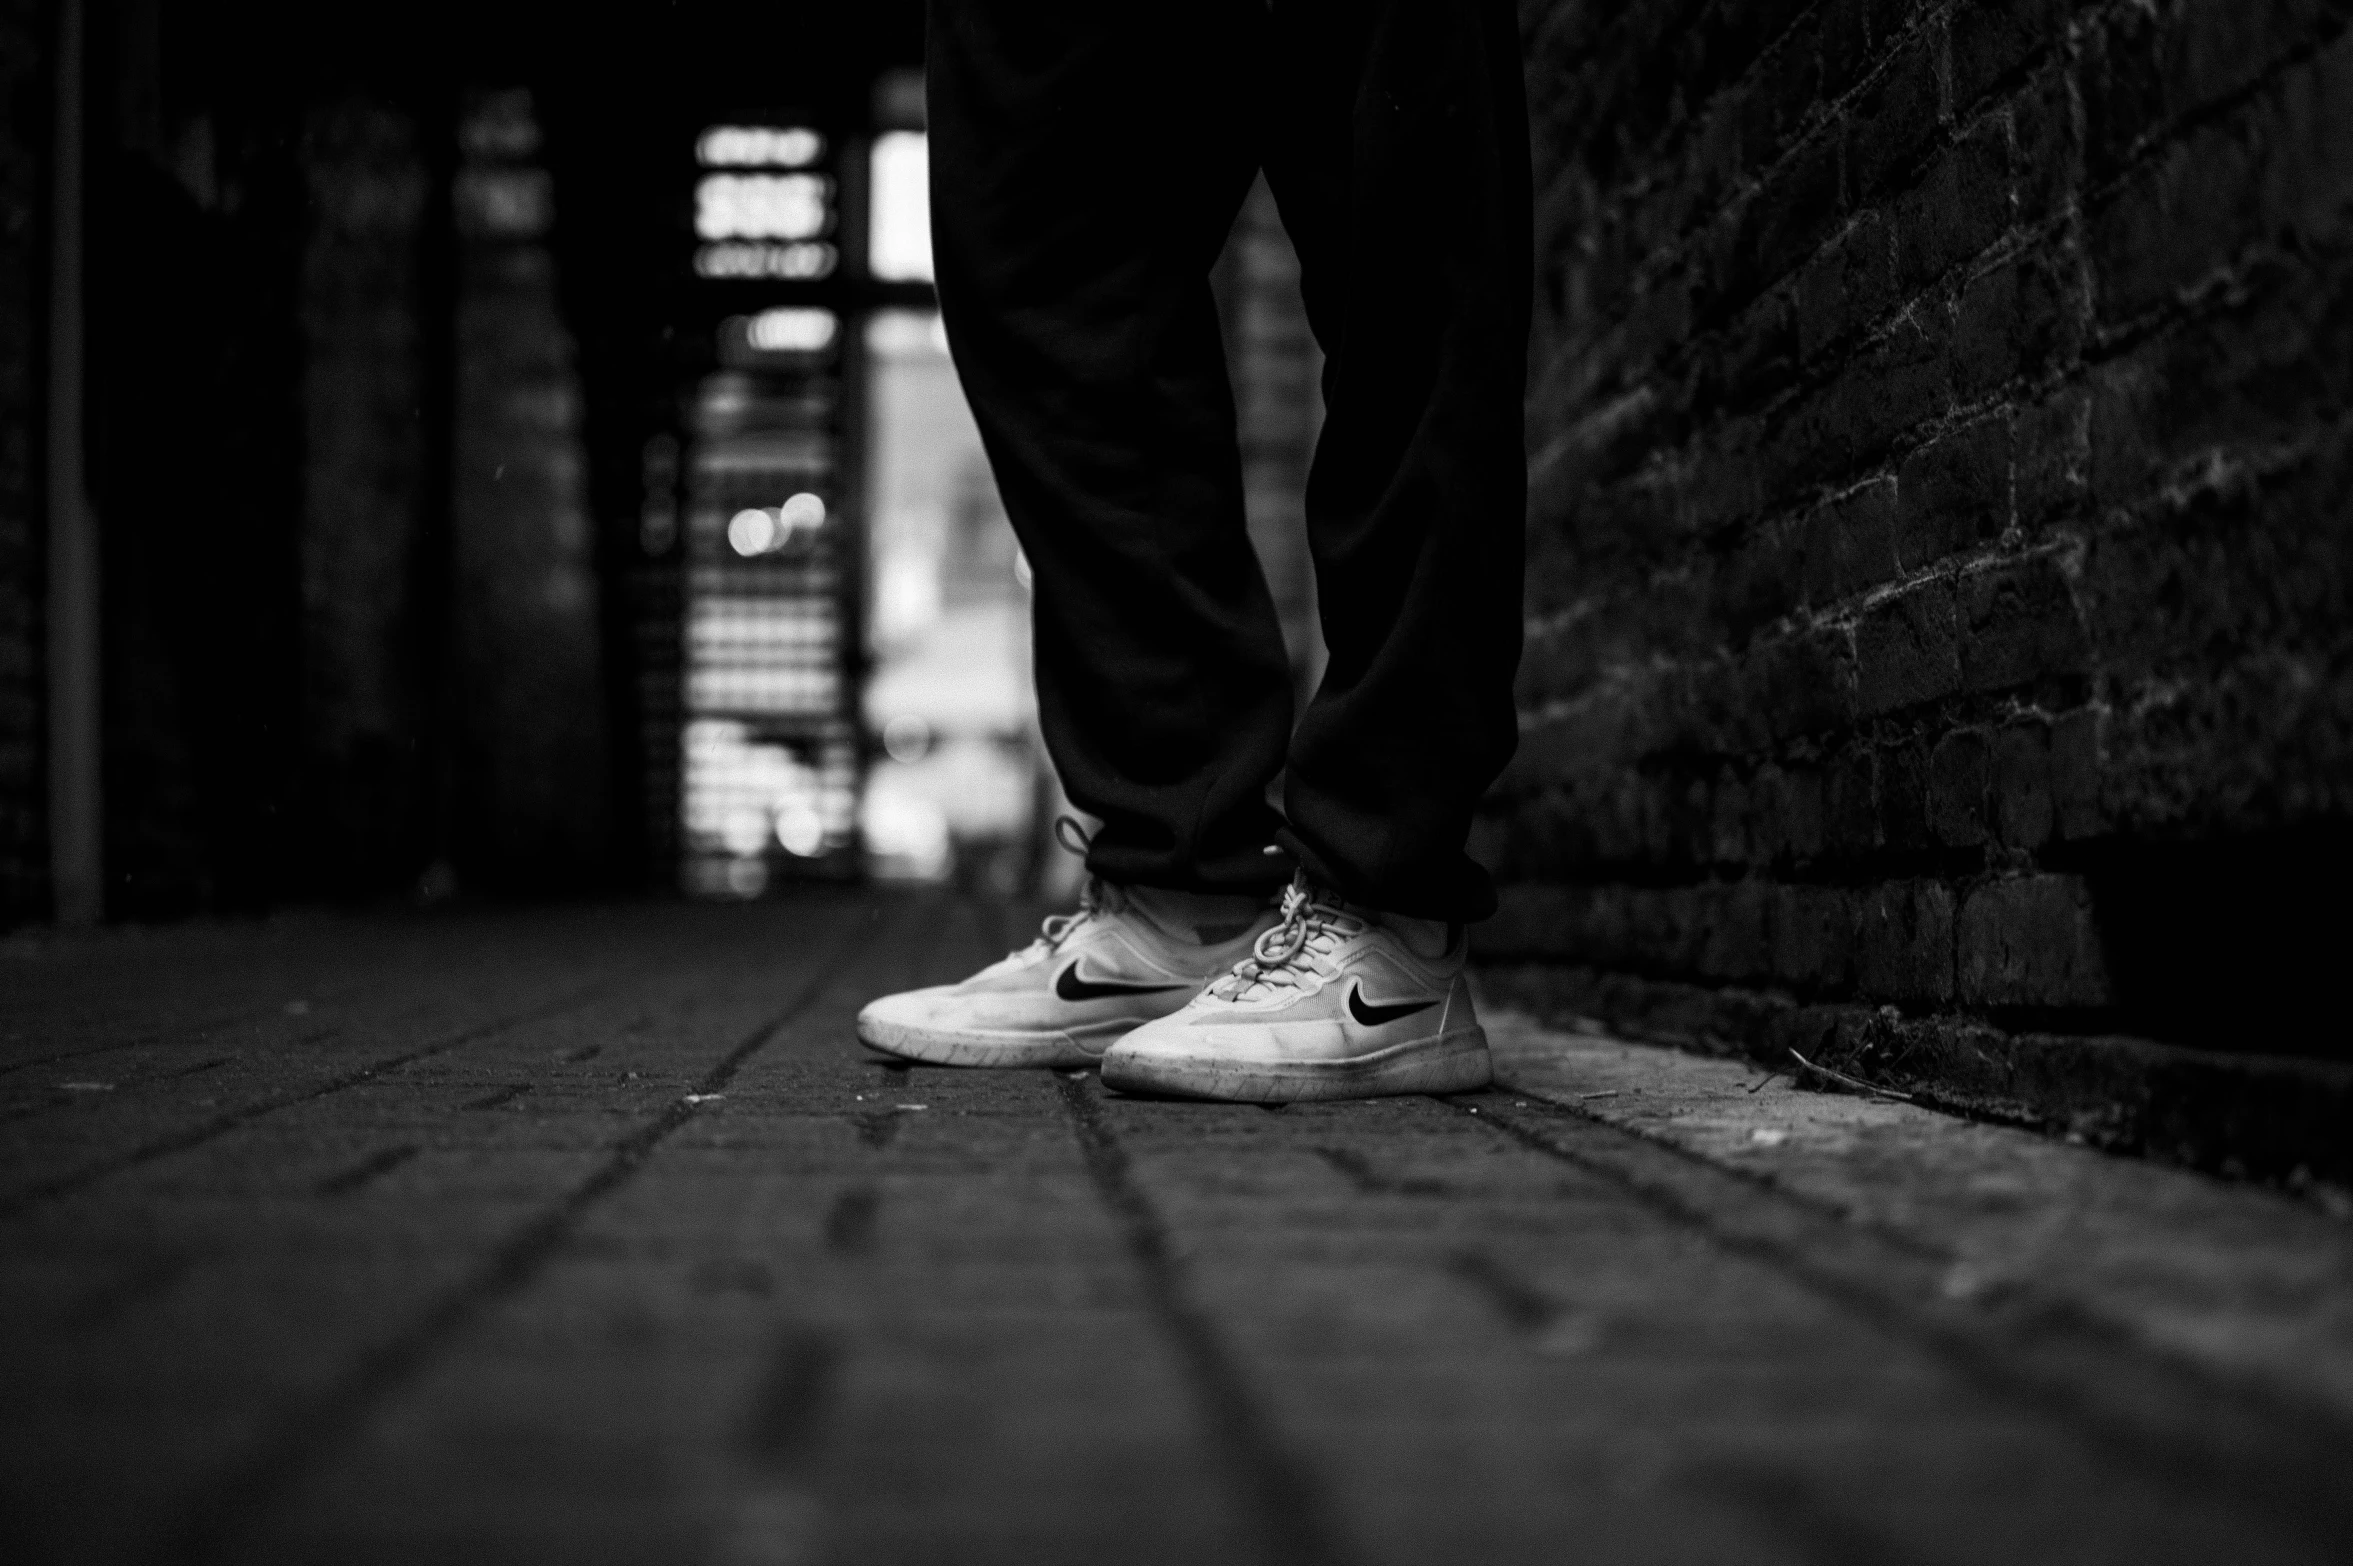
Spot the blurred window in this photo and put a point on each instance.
(763, 206)
(759, 146)
(898, 244)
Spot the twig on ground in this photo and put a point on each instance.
(1607, 1093)
(1857, 1083)
(1761, 1081)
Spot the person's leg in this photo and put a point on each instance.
(1398, 153)
(1087, 160)
(1397, 148)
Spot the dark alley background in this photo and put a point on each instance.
(453, 454)
(507, 634)
(1937, 637)
(383, 308)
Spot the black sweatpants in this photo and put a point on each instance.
(1087, 160)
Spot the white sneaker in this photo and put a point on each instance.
(1128, 955)
(1330, 1004)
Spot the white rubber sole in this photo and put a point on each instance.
(987, 1050)
(1455, 1062)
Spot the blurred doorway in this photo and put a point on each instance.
(954, 792)
(853, 691)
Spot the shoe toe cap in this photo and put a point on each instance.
(902, 1010)
(1188, 1036)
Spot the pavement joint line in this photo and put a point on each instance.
(196, 1136)
(367, 1171)
(53, 1105)
(258, 1012)
(2021, 1298)
(197, 1030)
(223, 1509)
(255, 1013)
(2132, 1403)
(229, 1120)
(1762, 1181)
(1278, 1487)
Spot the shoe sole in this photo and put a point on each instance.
(991, 1050)
(1455, 1062)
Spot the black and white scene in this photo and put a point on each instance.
(1243, 783)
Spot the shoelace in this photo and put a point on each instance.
(1311, 924)
(1095, 899)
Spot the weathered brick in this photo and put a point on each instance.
(1657, 326)
(2308, 178)
(1851, 802)
(2124, 449)
(1667, 927)
(1726, 491)
(1904, 943)
(2046, 159)
(2075, 775)
(1728, 821)
(1717, 716)
(2213, 51)
(1898, 115)
(1755, 355)
(1812, 934)
(1993, 39)
(1762, 581)
(1907, 649)
(2022, 316)
(2173, 222)
(1846, 43)
(2031, 941)
(1845, 288)
(1786, 814)
(1689, 806)
(1903, 797)
(1735, 945)
(1953, 493)
(1959, 208)
(1784, 89)
(1894, 385)
(1988, 328)
(1801, 684)
(1850, 542)
(1958, 477)
(2051, 475)
(1960, 778)
(2120, 82)
(2023, 816)
(1797, 208)
(2019, 624)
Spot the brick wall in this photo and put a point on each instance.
(24, 139)
(1938, 641)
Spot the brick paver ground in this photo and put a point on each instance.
(591, 1235)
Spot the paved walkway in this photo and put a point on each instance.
(591, 1236)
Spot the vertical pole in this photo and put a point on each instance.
(851, 487)
(76, 814)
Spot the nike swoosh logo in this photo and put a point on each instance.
(1374, 1016)
(1071, 987)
